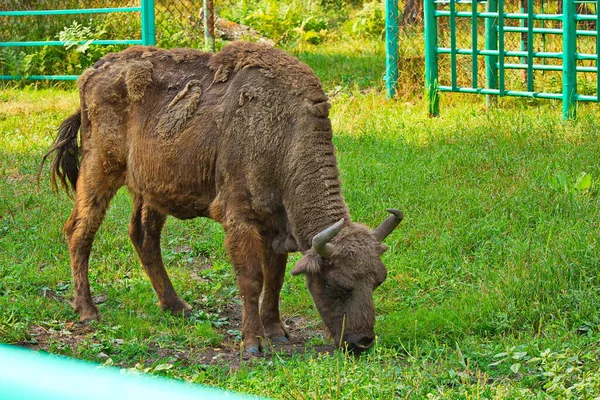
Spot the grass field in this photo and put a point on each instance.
(494, 276)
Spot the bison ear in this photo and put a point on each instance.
(308, 264)
(382, 248)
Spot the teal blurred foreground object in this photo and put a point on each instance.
(449, 22)
(26, 374)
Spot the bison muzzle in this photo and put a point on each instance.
(243, 137)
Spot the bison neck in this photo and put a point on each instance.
(313, 198)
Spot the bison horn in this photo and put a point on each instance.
(320, 242)
(387, 226)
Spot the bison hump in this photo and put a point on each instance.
(273, 63)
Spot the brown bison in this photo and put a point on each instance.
(242, 137)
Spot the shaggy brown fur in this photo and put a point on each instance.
(243, 137)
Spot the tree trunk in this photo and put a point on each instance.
(413, 12)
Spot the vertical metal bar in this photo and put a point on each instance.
(543, 23)
(148, 28)
(491, 43)
(501, 81)
(208, 18)
(474, 63)
(391, 47)
(431, 58)
(524, 5)
(597, 2)
(530, 43)
(569, 60)
(453, 44)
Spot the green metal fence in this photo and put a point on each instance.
(148, 34)
(489, 47)
(391, 47)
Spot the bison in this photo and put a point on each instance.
(242, 137)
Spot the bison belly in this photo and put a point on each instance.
(174, 176)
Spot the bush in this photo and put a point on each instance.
(370, 21)
(79, 30)
(79, 53)
(292, 23)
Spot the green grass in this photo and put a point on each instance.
(493, 285)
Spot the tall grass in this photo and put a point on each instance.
(493, 280)
(493, 276)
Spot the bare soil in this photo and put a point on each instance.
(228, 354)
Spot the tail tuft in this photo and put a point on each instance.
(66, 150)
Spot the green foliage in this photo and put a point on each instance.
(495, 263)
(563, 373)
(76, 55)
(289, 24)
(370, 20)
(12, 61)
(12, 328)
(568, 373)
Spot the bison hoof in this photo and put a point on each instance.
(186, 313)
(280, 339)
(253, 350)
(86, 318)
(87, 312)
(177, 307)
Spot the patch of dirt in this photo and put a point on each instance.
(52, 294)
(228, 354)
(71, 335)
(201, 263)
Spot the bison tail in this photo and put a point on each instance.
(65, 148)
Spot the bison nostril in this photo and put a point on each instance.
(359, 343)
(365, 342)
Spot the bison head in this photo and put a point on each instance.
(342, 269)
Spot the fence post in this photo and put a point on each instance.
(569, 60)
(148, 29)
(491, 43)
(208, 17)
(431, 59)
(391, 47)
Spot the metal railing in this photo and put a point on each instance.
(391, 47)
(148, 34)
(441, 18)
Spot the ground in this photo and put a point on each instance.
(493, 276)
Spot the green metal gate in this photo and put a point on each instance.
(489, 47)
(146, 10)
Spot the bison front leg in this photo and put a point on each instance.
(144, 231)
(245, 247)
(274, 273)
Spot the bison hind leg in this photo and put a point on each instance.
(144, 231)
(95, 189)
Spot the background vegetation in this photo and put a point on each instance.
(493, 285)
